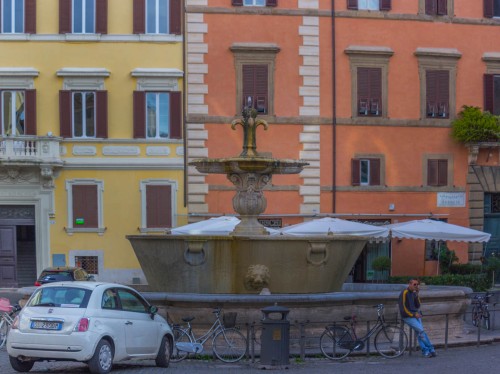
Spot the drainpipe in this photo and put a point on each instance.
(334, 115)
(184, 102)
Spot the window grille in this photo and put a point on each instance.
(88, 263)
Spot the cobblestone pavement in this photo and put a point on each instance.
(456, 360)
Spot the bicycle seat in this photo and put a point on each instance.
(187, 319)
(348, 318)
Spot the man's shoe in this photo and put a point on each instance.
(433, 354)
(427, 355)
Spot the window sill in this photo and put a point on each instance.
(72, 230)
(83, 37)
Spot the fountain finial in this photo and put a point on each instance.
(249, 125)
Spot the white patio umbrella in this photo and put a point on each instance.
(337, 226)
(223, 225)
(436, 230)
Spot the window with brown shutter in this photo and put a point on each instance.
(158, 206)
(369, 91)
(237, 2)
(85, 209)
(437, 93)
(101, 114)
(437, 172)
(141, 112)
(385, 5)
(139, 17)
(352, 4)
(100, 17)
(365, 172)
(255, 87)
(491, 8)
(30, 16)
(65, 114)
(492, 93)
(436, 7)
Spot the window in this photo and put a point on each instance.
(438, 93)
(83, 114)
(255, 86)
(436, 7)
(432, 248)
(83, 16)
(18, 112)
(369, 80)
(491, 8)
(255, 76)
(18, 16)
(492, 93)
(157, 17)
(365, 172)
(89, 263)
(254, 2)
(109, 299)
(369, 4)
(369, 91)
(85, 213)
(437, 172)
(131, 302)
(157, 115)
(437, 74)
(158, 199)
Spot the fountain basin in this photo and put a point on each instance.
(246, 264)
(240, 165)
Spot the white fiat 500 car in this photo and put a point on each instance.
(92, 322)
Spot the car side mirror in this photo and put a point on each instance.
(153, 310)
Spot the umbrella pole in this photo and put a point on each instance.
(439, 255)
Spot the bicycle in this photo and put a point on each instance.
(7, 318)
(480, 311)
(337, 341)
(228, 343)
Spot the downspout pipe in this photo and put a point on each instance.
(184, 102)
(334, 114)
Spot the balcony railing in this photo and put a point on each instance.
(30, 148)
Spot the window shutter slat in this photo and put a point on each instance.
(65, 114)
(489, 93)
(488, 9)
(271, 2)
(363, 83)
(374, 172)
(442, 173)
(175, 115)
(442, 7)
(101, 26)
(30, 16)
(158, 206)
(237, 2)
(139, 17)
(102, 114)
(432, 170)
(139, 114)
(385, 5)
(175, 17)
(355, 172)
(65, 17)
(352, 4)
(431, 7)
(30, 112)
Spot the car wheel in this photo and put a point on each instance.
(21, 366)
(102, 360)
(165, 352)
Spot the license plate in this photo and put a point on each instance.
(44, 325)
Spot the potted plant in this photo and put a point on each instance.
(381, 264)
(474, 125)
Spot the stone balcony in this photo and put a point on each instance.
(25, 153)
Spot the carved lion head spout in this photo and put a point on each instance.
(257, 277)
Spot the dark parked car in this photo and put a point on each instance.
(63, 273)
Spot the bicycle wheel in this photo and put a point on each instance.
(391, 341)
(229, 345)
(486, 317)
(336, 342)
(475, 316)
(4, 330)
(180, 336)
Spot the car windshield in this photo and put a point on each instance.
(63, 297)
(55, 276)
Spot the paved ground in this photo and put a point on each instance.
(456, 360)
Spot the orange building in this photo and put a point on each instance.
(363, 90)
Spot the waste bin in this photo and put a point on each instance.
(275, 337)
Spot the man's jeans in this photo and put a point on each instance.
(425, 344)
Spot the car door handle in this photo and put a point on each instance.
(129, 323)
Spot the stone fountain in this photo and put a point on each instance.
(189, 274)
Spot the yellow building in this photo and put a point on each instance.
(91, 148)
